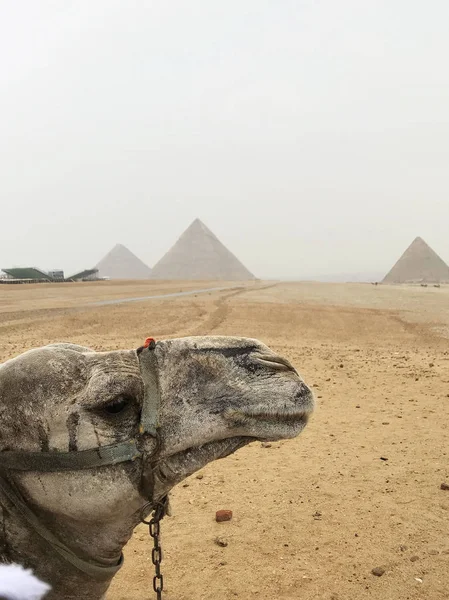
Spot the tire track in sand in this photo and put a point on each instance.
(220, 312)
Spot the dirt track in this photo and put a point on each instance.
(313, 516)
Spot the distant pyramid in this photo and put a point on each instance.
(199, 254)
(121, 263)
(419, 263)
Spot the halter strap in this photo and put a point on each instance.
(70, 461)
(149, 419)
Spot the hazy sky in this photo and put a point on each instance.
(312, 136)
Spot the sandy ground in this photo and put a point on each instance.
(313, 516)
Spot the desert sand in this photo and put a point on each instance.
(359, 489)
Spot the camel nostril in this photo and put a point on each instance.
(275, 362)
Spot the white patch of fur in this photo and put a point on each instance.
(17, 583)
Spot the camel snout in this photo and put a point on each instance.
(304, 399)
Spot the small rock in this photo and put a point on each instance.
(378, 571)
(223, 515)
(317, 515)
(266, 445)
(223, 563)
(431, 365)
(221, 542)
(357, 405)
(341, 365)
(444, 486)
(414, 558)
(386, 423)
(418, 579)
(200, 476)
(403, 548)
(186, 485)
(383, 458)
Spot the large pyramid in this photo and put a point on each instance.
(418, 264)
(199, 254)
(121, 263)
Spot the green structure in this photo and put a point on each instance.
(86, 275)
(27, 274)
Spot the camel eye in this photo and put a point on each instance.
(118, 405)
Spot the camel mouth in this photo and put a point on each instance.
(286, 417)
(276, 417)
(271, 425)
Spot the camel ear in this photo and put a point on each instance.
(69, 346)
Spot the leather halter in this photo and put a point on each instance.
(86, 459)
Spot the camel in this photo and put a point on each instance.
(89, 441)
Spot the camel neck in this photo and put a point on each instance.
(99, 543)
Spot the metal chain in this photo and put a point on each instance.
(156, 554)
(156, 557)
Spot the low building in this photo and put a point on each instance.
(57, 274)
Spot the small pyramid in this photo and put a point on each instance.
(418, 264)
(121, 263)
(199, 254)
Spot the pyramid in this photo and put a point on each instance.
(121, 263)
(418, 264)
(199, 254)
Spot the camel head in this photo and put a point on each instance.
(219, 394)
(214, 395)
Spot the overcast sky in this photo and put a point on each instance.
(312, 136)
